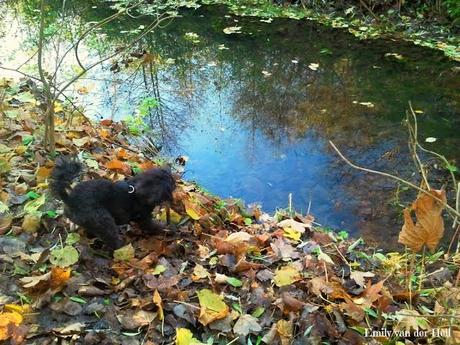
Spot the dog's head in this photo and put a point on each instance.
(154, 186)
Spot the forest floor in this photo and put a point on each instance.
(225, 275)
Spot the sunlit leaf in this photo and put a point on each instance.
(429, 227)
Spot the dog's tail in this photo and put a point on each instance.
(64, 172)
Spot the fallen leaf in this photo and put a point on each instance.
(284, 329)
(59, 276)
(293, 224)
(212, 306)
(184, 336)
(199, 272)
(284, 250)
(429, 227)
(31, 222)
(240, 236)
(246, 324)
(223, 279)
(125, 253)
(64, 257)
(358, 277)
(159, 303)
(8, 321)
(409, 319)
(286, 276)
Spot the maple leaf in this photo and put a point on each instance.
(429, 228)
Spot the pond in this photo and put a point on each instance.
(254, 112)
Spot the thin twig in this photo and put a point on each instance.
(447, 206)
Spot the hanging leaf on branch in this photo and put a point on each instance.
(429, 227)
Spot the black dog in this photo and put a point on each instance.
(99, 205)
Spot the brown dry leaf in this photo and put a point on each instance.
(352, 310)
(42, 174)
(410, 320)
(372, 292)
(36, 281)
(429, 228)
(284, 250)
(318, 286)
(291, 303)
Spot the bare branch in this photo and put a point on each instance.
(447, 206)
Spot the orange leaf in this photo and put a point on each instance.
(103, 133)
(147, 165)
(106, 122)
(114, 164)
(59, 276)
(429, 228)
(42, 174)
(122, 154)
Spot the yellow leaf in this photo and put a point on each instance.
(212, 307)
(185, 337)
(124, 253)
(286, 276)
(58, 107)
(190, 208)
(7, 320)
(31, 222)
(284, 329)
(159, 303)
(21, 309)
(429, 228)
(292, 234)
(174, 217)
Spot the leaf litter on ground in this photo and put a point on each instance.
(221, 274)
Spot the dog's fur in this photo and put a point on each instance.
(100, 205)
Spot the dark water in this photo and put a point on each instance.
(255, 118)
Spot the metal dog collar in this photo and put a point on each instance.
(131, 189)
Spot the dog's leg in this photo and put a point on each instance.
(104, 227)
(149, 225)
